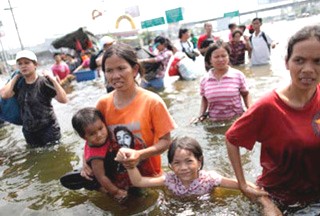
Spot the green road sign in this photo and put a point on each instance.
(152, 22)
(174, 15)
(231, 14)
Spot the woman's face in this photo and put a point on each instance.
(119, 73)
(237, 37)
(186, 35)
(123, 138)
(304, 64)
(26, 67)
(220, 59)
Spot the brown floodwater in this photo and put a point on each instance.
(30, 177)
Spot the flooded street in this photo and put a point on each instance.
(30, 177)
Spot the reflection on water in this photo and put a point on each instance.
(30, 177)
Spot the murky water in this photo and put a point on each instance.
(30, 177)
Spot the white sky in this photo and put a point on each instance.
(58, 17)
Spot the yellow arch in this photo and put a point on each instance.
(127, 17)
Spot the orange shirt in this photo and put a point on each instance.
(146, 117)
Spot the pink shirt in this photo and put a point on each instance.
(61, 70)
(163, 57)
(224, 99)
(204, 184)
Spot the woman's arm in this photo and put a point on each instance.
(203, 107)
(247, 189)
(268, 207)
(7, 90)
(61, 94)
(246, 99)
(203, 114)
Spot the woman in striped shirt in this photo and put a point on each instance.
(222, 87)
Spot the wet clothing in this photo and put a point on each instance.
(224, 98)
(96, 152)
(204, 184)
(260, 49)
(146, 117)
(290, 146)
(157, 83)
(40, 124)
(61, 70)
(237, 52)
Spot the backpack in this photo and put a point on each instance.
(191, 54)
(264, 38)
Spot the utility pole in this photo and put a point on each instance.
(15, 23)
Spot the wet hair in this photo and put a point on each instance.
(307, 32)
(123, 51)
(187, 143)
(182, 31)
(235, 32)
(165, 41)
(260, 19)
(214, 46)
(122, 128)
(84, 117)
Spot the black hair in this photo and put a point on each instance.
(182, 31)
(162, 40)
(214, 46)
(236, 31)
(312, 31)
(187, 143)
(231, 25)
(260, 19)
(123, 51)
(84, 117)
(56, 53)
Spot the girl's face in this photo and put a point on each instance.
(304, 64)
(123, 138)
(185, 166)
(119, 73)
(220, 59)
(26, 66)
(160, 47)
(96, 133)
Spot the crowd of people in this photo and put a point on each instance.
(130, 127)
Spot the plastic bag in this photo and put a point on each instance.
(9, 108)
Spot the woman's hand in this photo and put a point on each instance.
(252, 191)
(201, 118)
(128, 157)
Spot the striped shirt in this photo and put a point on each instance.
(223, 96)
(163, 57)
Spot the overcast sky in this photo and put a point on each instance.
(58, 17)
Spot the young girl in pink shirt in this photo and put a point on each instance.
(185, 159)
